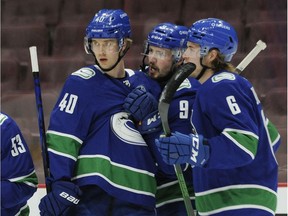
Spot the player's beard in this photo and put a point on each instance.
(155, 72)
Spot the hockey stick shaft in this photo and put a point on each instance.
(39, 106)
(163, 107)
(260, 45)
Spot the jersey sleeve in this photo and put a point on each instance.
(68, 127)
(18, 177)
(231, 113)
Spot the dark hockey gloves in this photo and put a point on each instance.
(63, 195)
(181, 148)
(151, 123)
(140, 103)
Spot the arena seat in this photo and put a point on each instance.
(55, 70)
(23, 105)
(253, 16)
(30, 11)
(271, 32)
(133, 58)
(252, 5)
(164, 10)
(140, 29)
(69, 40)
(267, 66)
(9, 75)
(276, 101)
(263, 11)
(230, 11)
(16, 40)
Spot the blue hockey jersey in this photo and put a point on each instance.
(240, 177)
(92, 141)
(18, 177)
(168, 189)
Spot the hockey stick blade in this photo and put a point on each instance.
(164, 102)
(260, 45)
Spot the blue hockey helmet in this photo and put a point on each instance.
(108, 24)
(214, 33)
(168, 35)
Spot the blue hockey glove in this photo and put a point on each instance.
(63, 195)
(151, 123)
(181, 148)
(140, 103)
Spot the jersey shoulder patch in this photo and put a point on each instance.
(223, 76)
(85, 73)
(3, 118)
(185, 84)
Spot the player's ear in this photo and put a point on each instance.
(212, 55)
(126, 45)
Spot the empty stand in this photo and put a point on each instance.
(162, 9)
(16, 39)
(263, 11)
(133, 58)
(265, 5)
(53, 73)
(69, 40)
(231, 11)
(30, 11)
(265, 72)
(273, 33)
(23, 105)
(276, 102)
(267, 66)
(9, 75)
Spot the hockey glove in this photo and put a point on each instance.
(63, 195)
(140, 103)
(151, 123)
(181, 148)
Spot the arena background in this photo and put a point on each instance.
(57, 28)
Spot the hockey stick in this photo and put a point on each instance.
(39, 106)
(164, 102)
(260, 45)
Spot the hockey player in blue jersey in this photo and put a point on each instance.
(233, 144)
(99, 162)
(163, 55)
(18, 178)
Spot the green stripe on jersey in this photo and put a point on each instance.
(166, 193)
(31, 178)
(249, 142)
(118, 175)
(24, 211)
(233, 197)
(273, 132)
(63, 144)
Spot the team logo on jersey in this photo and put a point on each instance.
(223, 76)
(185, 84)
(85, 73)
(125, 129)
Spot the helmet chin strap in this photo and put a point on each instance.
(204, 68)
(113, 66)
